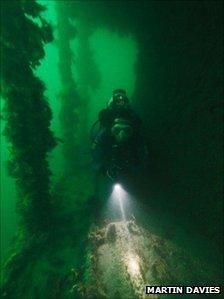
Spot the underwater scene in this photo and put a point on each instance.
(111, 149)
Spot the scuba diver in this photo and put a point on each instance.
(118, 147)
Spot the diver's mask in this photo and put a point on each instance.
(119, 99)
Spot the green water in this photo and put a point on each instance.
(168, 57)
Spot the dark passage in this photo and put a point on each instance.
(67, 232)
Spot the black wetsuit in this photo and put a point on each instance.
(103, 144)
(107, 117)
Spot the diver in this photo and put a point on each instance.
(118, 141)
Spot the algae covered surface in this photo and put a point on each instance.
(68, 232)
(125, 258)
